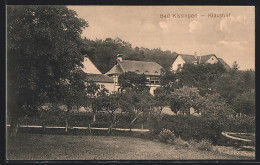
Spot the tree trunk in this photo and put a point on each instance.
(42, 117)
(113, 119)
(89, 128)
(142, 127)
(94, 118)
(66, 119)
(14, 126)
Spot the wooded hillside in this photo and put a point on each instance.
(103, 53)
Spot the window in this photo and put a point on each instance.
(179, 66)
(155, 80)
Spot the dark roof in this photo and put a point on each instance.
(140, 67)
(205, 58)
(200, 59)
(188, 58)
(226, 66)
(115, 70)
(99, 78)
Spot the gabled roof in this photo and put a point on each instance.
(99, 78)
(89, 67)
(205, 58)
(115, 70)
(226, 66)
(200, 59)
(140, 67)
(188, 58)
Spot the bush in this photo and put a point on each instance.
(166, 136)
(204, 145)
(179, 142)
(189, 127)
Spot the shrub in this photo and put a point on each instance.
(204, 145)
(189, 127)
(166, 136)
(179, 142)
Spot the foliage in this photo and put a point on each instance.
(72, 90)
(183, 99)
(103, 53)
(242, 123)
(179, 142)
(200, 76)
(204, 145)
(167, 80)
(38, 59)
(189, 127)
(162, 97)
(134, 81)
(166, 136)
(245, 103)
(214, 106)
(237, 87)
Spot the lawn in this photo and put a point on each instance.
(71, 147)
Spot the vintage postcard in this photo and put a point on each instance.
(130, 82)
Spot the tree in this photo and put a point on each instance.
(109, 103)
(167, 80)
(162, 97)
(233, 83)
(134, 81)
(72, 92)
(41, 52)
(183, 99)
(216, 112)
(245, 103)
(200, 76)
(94, 91)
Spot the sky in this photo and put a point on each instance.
(180, 29)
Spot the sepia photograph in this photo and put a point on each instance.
(118, 82)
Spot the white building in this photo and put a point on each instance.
(93, 74)
(181, 59)
(151, 70)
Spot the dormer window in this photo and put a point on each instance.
(137, 71)
(155, 72)
(146, 71)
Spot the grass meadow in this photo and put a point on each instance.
(28, 146)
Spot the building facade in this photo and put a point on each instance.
(151, 70)
(181, 59)
(93, 74)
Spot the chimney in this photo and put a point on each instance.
(195, 55)
(120, 57)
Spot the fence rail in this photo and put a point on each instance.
(92, 128)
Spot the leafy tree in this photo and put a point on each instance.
(72, 92)
(216, 111)
(200, 76)
(245, 103)
(94, 92)
(109, 103)
(42, 50)
(162, 97)
(134, 81)
(167, 80)
(183, 99)
(234, 83)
